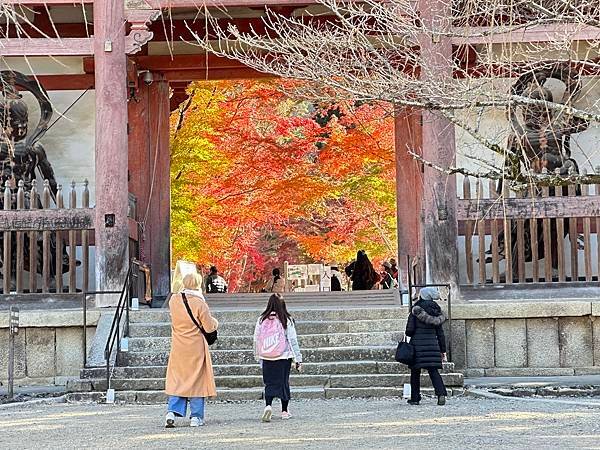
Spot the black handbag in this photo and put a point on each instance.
(211, 338)
(405, 353)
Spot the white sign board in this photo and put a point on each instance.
(326, 278)
(315, 269)
(297, 272)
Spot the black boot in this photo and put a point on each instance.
(413, 402)
(441, 400)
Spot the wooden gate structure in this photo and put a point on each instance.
(135, 57)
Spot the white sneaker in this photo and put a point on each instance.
(267, 413)
(196, 422)
(170, 420)
(285, 415)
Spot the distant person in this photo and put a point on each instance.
(189, 371)
(277, 283)
(275, 347)
(215, 283)
(361, 272)
(424, 327)
(336, 279)
(387, 277)
(394, 268)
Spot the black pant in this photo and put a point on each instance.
(415, 383)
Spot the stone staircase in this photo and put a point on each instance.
(347, 341)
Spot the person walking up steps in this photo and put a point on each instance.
(424, 327)
(275, 346)
(189, 372)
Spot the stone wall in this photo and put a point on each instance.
(48, 348)
(540, 338)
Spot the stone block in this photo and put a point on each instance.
(580, 371)
(69, 351)
(474, 373)
(459, 344)
(542, 343)
(20, 354)
(529, 372)
(480, 343)
(575, 342)
(596, 342)
(521, 310)
(40, 352)
(52, 318)
(510, 342)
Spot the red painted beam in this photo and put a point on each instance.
(163, 63)
(46, 47)
(239, 73)
(78, 82)
(171, 4)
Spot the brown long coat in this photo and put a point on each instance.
(190, 371)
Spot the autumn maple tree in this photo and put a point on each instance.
(259, 178)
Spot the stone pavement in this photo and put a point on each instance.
(318, 424)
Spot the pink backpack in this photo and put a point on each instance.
(271, 338)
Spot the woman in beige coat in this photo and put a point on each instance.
(189, 373)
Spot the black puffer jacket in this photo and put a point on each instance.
(427, 336)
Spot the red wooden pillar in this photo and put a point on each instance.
(409, 189)
(149, 178)
(439, 193)
(112, 232)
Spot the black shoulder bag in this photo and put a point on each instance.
(211, 338)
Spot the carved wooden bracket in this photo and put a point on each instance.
(139, 35)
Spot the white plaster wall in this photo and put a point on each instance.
(69, 143)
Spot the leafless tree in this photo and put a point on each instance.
(512, 54)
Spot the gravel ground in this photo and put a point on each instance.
(464, 423)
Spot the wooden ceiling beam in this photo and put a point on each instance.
(46, 47)
(240, 73)
(66, 82)
(545, 33)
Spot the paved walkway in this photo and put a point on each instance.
(464, 423)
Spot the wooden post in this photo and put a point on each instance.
(112, 227)
(439, 189)
(149, 179)
(60, 203)
(409, 189)
(46, 242)
(7, 270)
(33, 242)
(20, 241)
(72, 244)
(85, 240)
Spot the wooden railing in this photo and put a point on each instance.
(41, 236)
(516, 232)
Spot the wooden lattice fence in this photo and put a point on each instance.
(42, 235)
(524, 228)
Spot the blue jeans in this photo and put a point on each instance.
(178, 406)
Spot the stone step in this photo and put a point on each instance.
(162, 344)
(305, 314)
(298, 393)
(325, 354)
(331, 368)
(163, 329)
(297, 380)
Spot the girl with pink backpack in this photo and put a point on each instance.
(275, 346)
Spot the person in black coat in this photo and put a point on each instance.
(424, 327)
